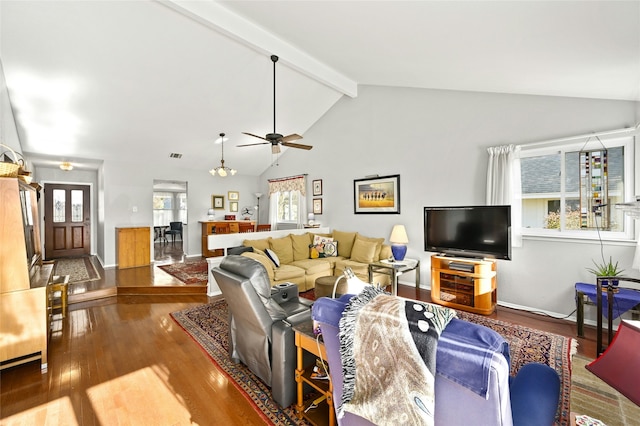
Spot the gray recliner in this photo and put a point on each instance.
(260, 323)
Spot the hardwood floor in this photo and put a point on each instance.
(123, 360)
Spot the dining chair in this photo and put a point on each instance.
(175, 228)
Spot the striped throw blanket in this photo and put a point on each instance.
(388, 349)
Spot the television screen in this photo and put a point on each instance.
(469, 231)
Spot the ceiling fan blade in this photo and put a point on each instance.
(291, 137)
(297, 145)
(253, 144)
(255, 136)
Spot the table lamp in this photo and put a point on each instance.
(399, 242)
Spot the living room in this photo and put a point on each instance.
(436, 139)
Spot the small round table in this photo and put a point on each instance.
(324, 286)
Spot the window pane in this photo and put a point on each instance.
(541, 191)
(59, 202)
(76, 205)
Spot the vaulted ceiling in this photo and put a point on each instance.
(142, 79)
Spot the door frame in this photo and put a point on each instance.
(92, 203)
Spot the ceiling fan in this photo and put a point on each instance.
(276, 139)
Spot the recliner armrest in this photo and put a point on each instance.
(284, 292)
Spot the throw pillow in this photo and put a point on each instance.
(378, 241)
(273, 256)
(257, 244)
(300, 244)
(363, 251)
(345, 242)
(323, 247)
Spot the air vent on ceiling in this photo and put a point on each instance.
(175, 155)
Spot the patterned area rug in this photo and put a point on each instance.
(207, 325)
(188, 273)
(592, 397)
(529, 345)
(79, 269)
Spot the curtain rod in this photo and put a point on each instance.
(584, 136)
(287, 178)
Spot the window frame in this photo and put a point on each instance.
(628, 144)
(279, 195)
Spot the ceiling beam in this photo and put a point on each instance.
(217, 17)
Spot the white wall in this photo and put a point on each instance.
(436, 140)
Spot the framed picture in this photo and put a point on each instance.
(233, 196)
(317, 206)
(377, 195)
(233, 206)
(317, 187)
(217, 202)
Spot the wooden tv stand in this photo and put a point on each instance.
(465, 284)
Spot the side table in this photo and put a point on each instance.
(394, 270)
(324, 413)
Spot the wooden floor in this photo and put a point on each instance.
(122, 360)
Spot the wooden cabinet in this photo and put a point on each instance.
(23, 277)
(134, 247)
(466, 284)
(209, 228)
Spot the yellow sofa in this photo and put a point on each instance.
(296, 261)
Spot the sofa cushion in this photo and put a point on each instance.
(314, 266)
(288, 272)
(273, 257)
(300, 246)
(283, 248)
(364, 251)
(345, 242)
(378, 241)
(385, 252)
(261, 244)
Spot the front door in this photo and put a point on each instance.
(67, 220)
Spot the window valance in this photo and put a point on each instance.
(291, 183)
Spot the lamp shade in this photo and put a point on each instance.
(399, 235)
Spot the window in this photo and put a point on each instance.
(169, 207)
(288, 202)
(572, 189)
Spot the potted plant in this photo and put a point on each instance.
(607, 269)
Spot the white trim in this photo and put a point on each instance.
(562, 141)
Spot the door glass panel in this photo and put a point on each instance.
(76, 205)
(59, 202)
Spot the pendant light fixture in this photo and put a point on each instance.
(222, 170)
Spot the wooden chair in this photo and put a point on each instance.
(245, 227)
(58, 290)
(264, 227)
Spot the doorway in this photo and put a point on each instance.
(67, 220)
(169, 205)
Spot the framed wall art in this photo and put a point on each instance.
(233, 206)
(233, 195)
(317, 206)
(317, 187)
(217, 202)
(377, 195)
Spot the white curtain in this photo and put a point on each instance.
(504, 185)
(293, 183)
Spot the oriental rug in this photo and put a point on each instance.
(188, 273)
(207, 325)
(79, 269)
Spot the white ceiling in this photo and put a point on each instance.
(141, 79)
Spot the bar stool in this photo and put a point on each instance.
(59, 284)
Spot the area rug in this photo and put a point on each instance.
(79, 269)
(208, 326)
(188, 273)
(592, 397)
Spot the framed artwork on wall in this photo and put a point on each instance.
(317, 206)
(233, 195)
(217, 202)
(233, 206)
(377, 195)
(317, 187)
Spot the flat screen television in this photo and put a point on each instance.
(469, 231)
